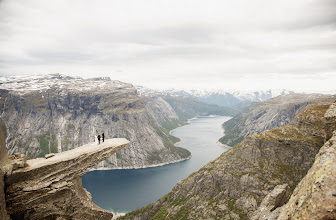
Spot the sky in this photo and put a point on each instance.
(181, 44)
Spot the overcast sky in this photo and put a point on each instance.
(236, 44)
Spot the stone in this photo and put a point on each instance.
(246, 203)
(3, 211)
(276, 198)
(52, 188)
(314, 197)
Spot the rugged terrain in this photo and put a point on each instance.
(55, 113)
(262, 116)
(234, 185)
(51, 187)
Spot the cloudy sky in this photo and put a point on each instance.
(223, 44)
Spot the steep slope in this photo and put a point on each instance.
(262, 116)
(315, 196)
(56, 113)
(232, 186)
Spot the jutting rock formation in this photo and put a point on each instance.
(51, 187)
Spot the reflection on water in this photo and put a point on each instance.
(127, 190)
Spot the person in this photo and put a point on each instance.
(98, 138)
(103, 136)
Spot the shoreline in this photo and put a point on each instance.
(187, 123)
(221, 144)
(118, 214)
(171, 162)
(143, 167)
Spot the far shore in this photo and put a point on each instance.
(141, 167)
(165, 163)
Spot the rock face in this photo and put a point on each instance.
(3, 160)
(52, 188)
(270, 206)
(315, 196)
(56, 113)
(262, 116)
(233, 185)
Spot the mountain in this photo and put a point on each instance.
(261, 116)
(55, 113)
(221, 97)
(234, 185)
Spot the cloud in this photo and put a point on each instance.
(157, 42)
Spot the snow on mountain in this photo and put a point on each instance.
(219, 97)
(24, 84)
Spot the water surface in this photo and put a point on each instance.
(127, 190)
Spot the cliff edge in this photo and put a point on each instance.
(51, 187)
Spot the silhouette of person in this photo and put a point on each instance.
(103, 136)
(98, 138)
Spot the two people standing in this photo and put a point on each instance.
(98, 138)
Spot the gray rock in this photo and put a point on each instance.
(53, 119)
(262, 116)
(276, 198)
(52, 188)
(315, 196)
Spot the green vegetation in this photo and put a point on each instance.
(231, 204)
(232, 131)
(4, 129)
(154, 157)
(168, 140)
(70, 127)
(161, 214)
(48, 144)
(188, 107)
(118, 155)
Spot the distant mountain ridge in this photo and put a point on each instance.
(220, 97)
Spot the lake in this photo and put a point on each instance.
(126, 190)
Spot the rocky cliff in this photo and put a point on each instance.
(234, 185)
(3, 161)
(56, 113)
(51, 187)
(262, 116)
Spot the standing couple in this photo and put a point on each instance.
(98, 138)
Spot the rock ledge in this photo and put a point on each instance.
(52, 188)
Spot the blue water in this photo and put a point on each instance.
(127, 190)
